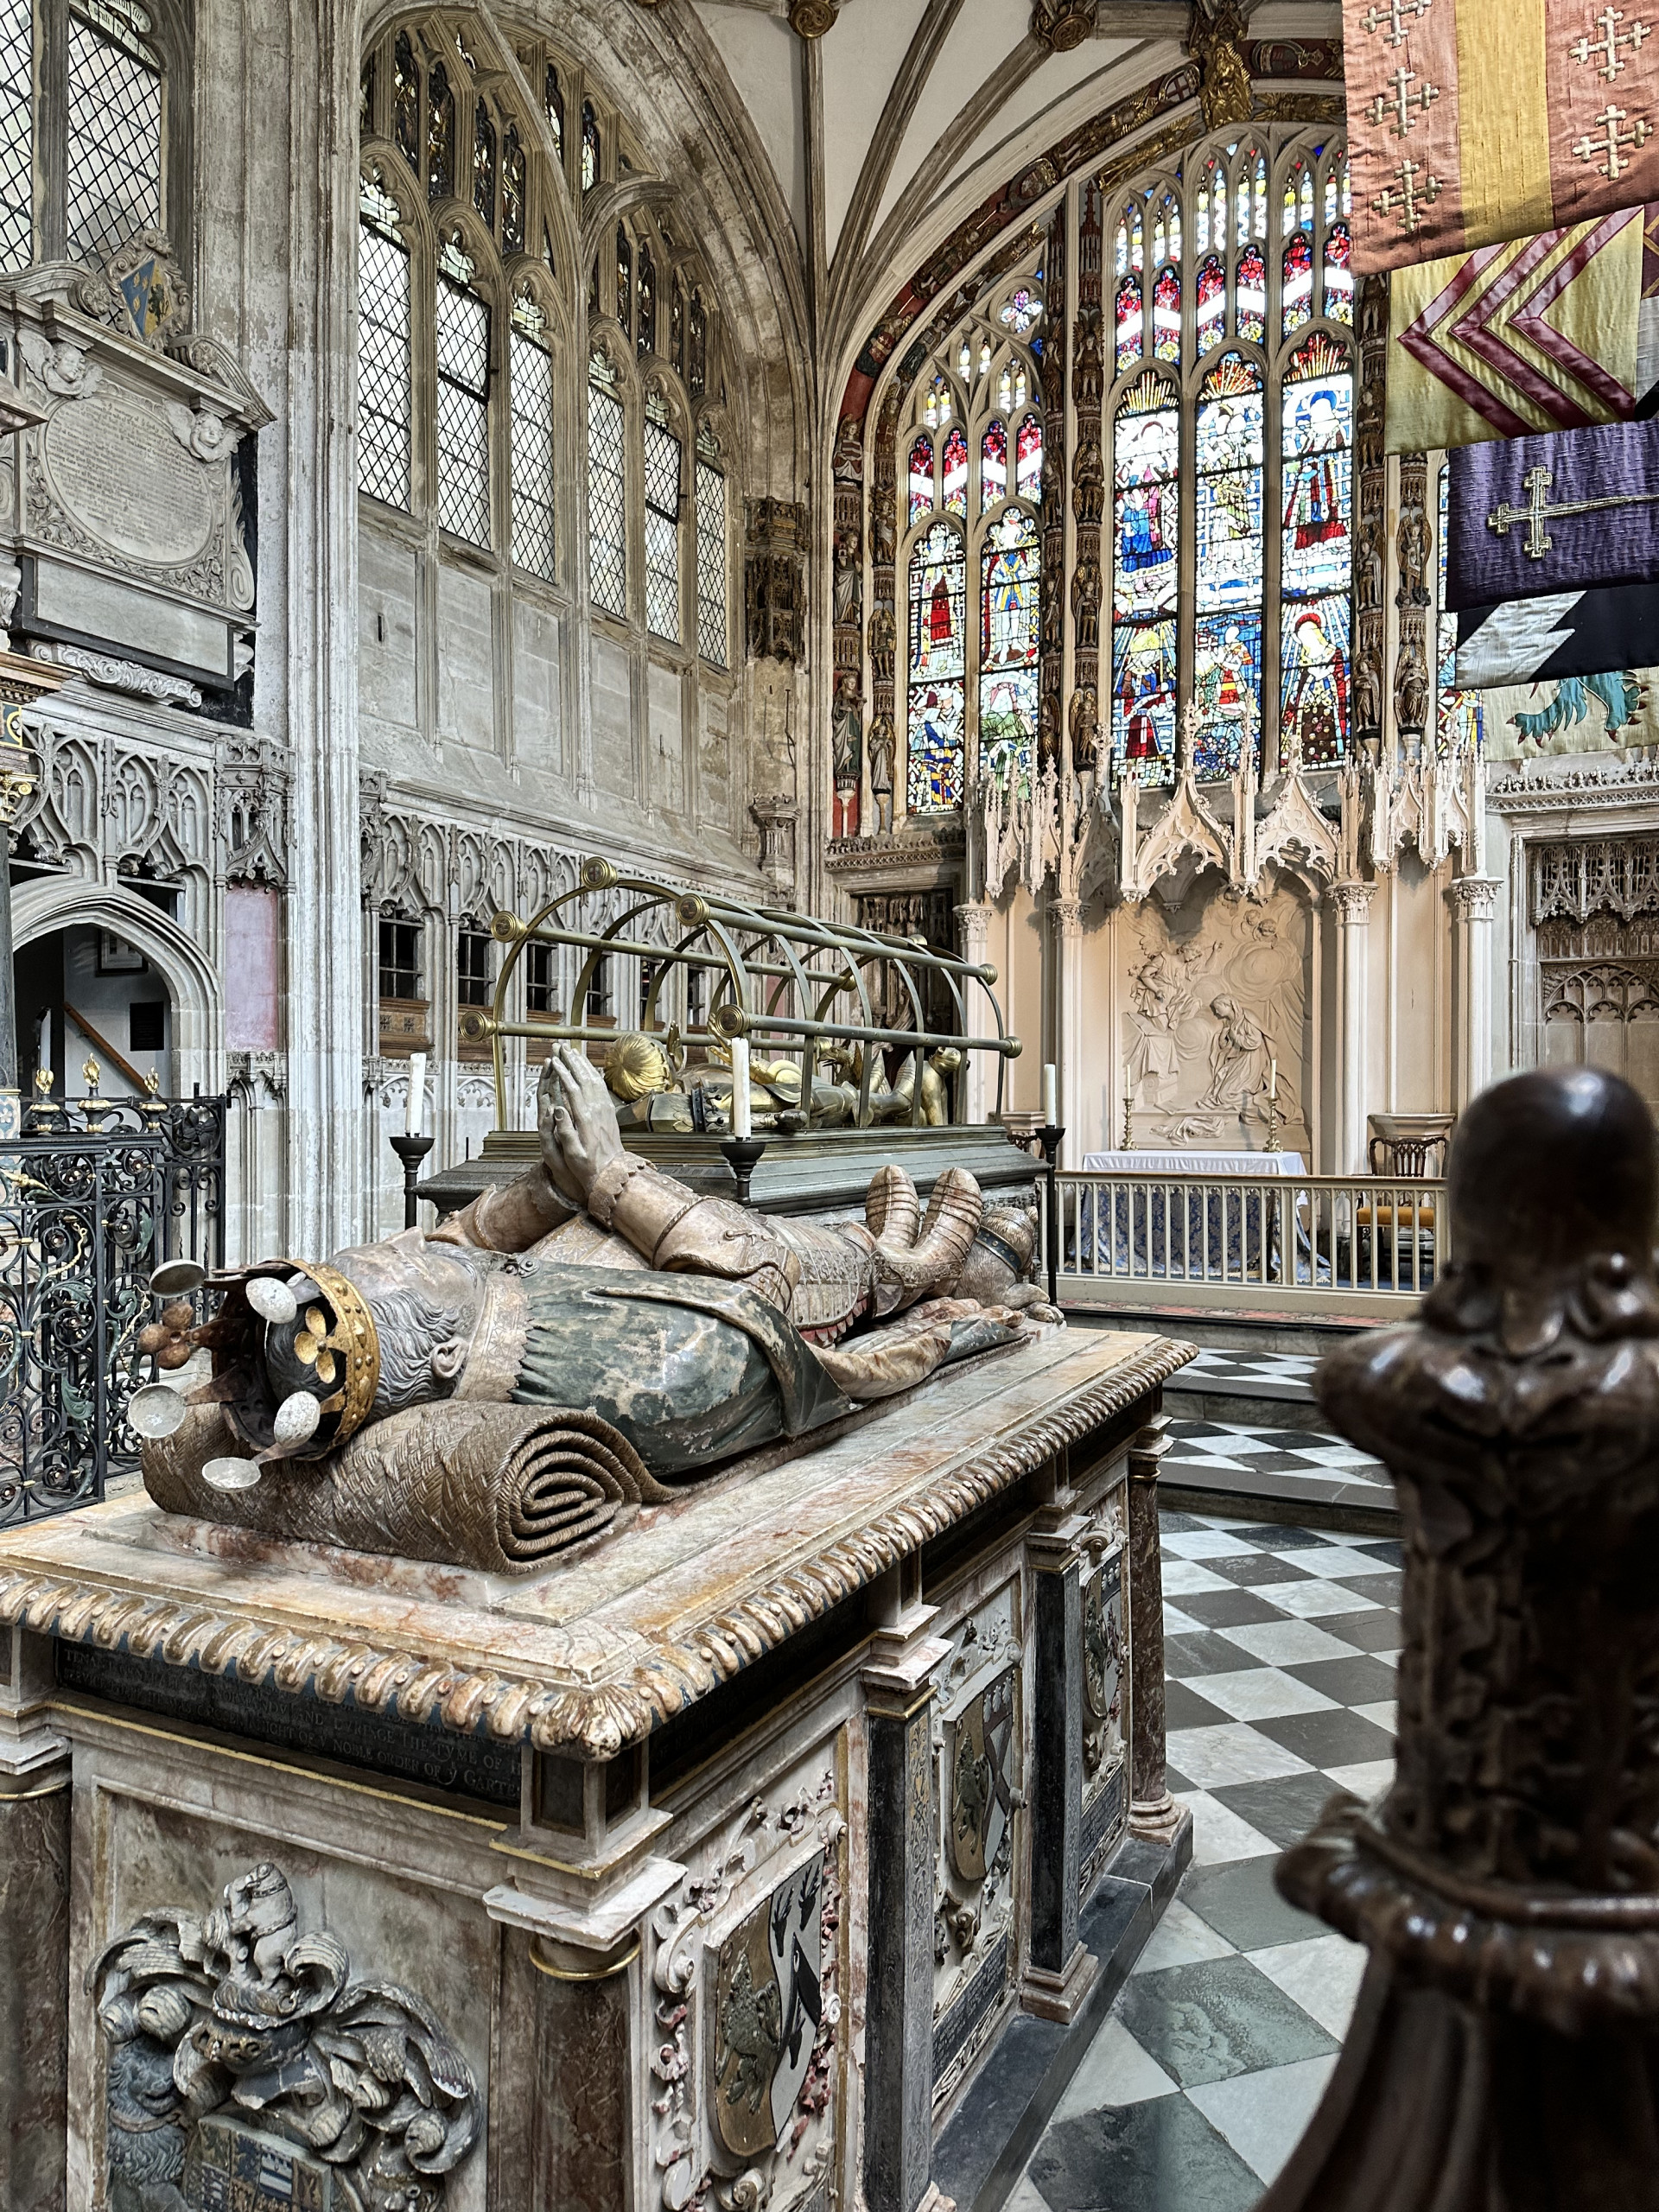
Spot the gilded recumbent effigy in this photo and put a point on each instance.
(619, 1702)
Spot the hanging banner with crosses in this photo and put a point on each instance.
(1470, 122)
(1559, 332)
(1531, 516)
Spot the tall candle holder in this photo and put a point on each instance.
(742, 1157)
(411, 1150)
(1273, 1144)
(1049, 1137)
(1129, 1121)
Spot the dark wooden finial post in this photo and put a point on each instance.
(1504, 2056)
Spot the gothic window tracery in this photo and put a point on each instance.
(969, 497)
(94, 121)
(1232, 433)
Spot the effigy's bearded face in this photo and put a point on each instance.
(424, 1299)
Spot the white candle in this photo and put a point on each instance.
(416, 1104)
(1272, 1079)
(741, 1125)
(1051, 1107)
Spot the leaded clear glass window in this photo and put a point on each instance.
(530, 371)
(382, 353)
(712, 618)
(663, 462)
(607, 559)
(462, 322)
(17, 132)
(113, 110)
(971, 476)
(1229, 425)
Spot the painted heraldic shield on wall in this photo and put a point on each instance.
(982, 1781)
(1471, 121)
(768, 2005)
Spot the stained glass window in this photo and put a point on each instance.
(1167, 316)
(463, 441)
(589, 147)
(1228, 591)
(921, 480)
(711, 564)
(484, 165)
(553, 108)
(513, 192)
(1318, 553)
(17, 132)
(1029, 459)
(1130, 342)
(113, 122)
(1258, 634)
(993, 467)
(529, 370)
(645, 319)
(663, 459)
(696, 347)
(607, 559)
(937, 670)
(383, 372)
(1146, 461)
(440, 134)
(406, 102)
(1459, 719)
(955, 463)
(1021, 311)
(1010, 639)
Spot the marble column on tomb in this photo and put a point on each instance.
(35, 1806)
(899, 2016)
(1065, 937)
(1059, 1969)
(979, 1075)
(1473, 898)
(1353, 905)
(1153, 1812)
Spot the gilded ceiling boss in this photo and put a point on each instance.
(694, 1326)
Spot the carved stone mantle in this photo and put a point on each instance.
(126, 512)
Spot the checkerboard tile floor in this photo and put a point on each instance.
(1208, 1454)
(1289, 1373)
(1279, 1651)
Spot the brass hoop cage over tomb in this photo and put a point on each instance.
(793, 986)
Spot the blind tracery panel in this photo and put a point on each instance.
(1232, 311)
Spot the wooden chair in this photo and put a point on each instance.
(1410, 1147)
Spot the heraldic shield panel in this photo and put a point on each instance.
(982, 1780)
(768, 2003)
(1105, 1778)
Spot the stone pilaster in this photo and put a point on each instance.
(34, 1802)
(1065, 943)
(1473, 898)
(899, 2018)
(973, 941)
(1153, 1812)
(1060, 1970)
(1353, 905)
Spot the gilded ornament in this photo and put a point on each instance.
(1226, 94)
(812, 18)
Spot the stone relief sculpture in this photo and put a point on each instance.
(568, 1346)
(247, 2066)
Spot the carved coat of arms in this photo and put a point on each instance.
(1103, 1656)
(247, 2071)
(768, 2003)
(981, 1779)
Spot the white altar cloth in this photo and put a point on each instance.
(1193, 1163)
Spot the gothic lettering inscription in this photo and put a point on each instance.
(115, 465)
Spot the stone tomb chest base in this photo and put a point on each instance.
(708, 1870)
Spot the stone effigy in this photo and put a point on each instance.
(569, 1347)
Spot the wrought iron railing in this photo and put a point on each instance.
(1355, 1244)
(94, 1195)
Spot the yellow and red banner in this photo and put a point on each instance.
(1559, 332)
(1470, 122)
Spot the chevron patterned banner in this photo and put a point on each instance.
(1471, 121)
(1568, 633)
(1558, 332)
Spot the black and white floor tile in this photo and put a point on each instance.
(1280, 1645)
(1271, 1462)
(1287, 1375)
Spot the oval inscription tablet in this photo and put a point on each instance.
(118, 468)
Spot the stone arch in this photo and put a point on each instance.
(192, 984)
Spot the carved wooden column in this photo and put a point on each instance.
(1153, 1811)
(1352, 902)
(34, 1932)
(1505, 2057)
(1472, 900)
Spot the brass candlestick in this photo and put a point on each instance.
(1129, 1121)
(1273, 1144)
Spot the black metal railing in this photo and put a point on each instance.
(94, 1195)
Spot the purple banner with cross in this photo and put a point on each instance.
(1569, 512)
